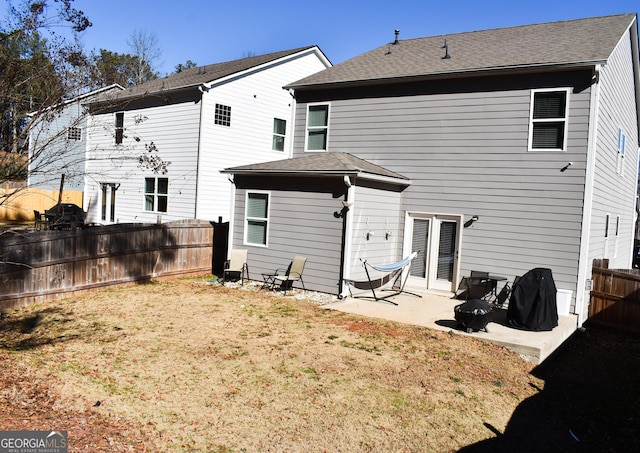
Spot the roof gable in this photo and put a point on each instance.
(576, 42)
(194, 77)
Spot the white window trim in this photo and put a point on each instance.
(116, 128)
(284, 136)
(566, 120)
(246, 218)
(306, 128)
(155, 195)
(108, 192)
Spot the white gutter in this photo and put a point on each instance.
(336, 173)
(584, 266)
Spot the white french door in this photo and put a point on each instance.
(108, 202)
(436, 238)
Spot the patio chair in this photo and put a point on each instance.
(236, 267)
(292, 274)
(476, 286)
(40, 220)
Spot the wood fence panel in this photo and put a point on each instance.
(44, 265)
(615, 297)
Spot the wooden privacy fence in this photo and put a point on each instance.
(615, 297)
(39, 266)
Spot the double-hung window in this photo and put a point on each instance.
(548, 120)
(156, 194)
(119, 127)
(279, 131)
(317, 127)
(256, 218)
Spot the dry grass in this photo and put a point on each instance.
(199, 367)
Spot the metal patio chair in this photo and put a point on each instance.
(236, 267)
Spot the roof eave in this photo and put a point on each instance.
(149, 94)
(322, 173)
(511, 69)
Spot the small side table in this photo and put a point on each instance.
(268, 280)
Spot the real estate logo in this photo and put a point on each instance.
(33, 442)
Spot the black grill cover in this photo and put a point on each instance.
(473, 315)
(533, 302)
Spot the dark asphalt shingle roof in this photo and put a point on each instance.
(325, 163)
(194, 77)
(571, 42)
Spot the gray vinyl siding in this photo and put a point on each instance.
(301, 222)
(466, 154)
(614, 194)
(57, 154)
(375, 211)
(174, 130)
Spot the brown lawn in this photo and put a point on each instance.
(187, 365)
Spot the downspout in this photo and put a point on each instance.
(231, 213)
(202, 89)
(636, 80)
(584, 267)
(347, 240)
(636, 71)
(292, 119)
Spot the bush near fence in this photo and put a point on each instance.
(40, 266)
(615, 297)
(17, 205)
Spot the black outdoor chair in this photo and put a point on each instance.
(476, 286)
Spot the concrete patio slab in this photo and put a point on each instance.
(435, 310)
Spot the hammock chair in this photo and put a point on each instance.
(393, 271)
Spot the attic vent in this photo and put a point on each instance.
(446, 50)
(397, 32)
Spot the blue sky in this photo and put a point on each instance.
(212, 31)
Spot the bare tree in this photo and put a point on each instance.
(41, 80)
(146, 51)
(39, 70)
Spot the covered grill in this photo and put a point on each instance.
(64, 216)
(533, 304)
